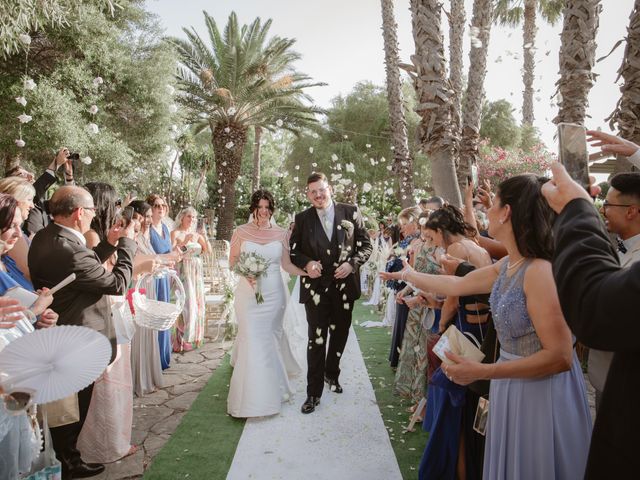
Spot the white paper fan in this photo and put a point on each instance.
(55, 362)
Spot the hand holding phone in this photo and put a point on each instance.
(572, 139)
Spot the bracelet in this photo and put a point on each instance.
(403, 277)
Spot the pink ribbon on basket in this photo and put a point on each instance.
(142, 291)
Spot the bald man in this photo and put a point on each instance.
(59, 250)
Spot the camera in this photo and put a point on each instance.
(75, 160)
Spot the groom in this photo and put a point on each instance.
(329, 241)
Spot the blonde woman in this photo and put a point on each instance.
(189, 330)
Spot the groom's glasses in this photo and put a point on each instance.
(318, 191)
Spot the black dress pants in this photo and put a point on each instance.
(329, 322)
(65, 437)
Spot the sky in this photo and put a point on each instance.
(341, 44)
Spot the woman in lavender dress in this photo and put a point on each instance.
(539, 423)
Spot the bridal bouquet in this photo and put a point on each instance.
(252, 265)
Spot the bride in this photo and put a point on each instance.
(262, 357)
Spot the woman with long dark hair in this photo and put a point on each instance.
(539, 423)
(106, 433)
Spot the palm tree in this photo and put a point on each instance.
(472, 108)
(577, 58)
(403, 163)
(457, 18)
(434, 96)
(627, 111)
(514, 12)
(240, 81)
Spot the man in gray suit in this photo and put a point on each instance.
(59, 250)
(621, 210)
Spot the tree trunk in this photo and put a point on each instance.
(169, 200)
(228, 148)
(434, 97)
(256, 157)
(403, 163)
(529, 30)
(577, 59)
(627, 111)
(472, 109)
(203, 175)
(457, 19)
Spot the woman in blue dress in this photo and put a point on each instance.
(539, 423)
(447, 229)
(161, 242)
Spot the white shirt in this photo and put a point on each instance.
(76, 233)
(327, 215)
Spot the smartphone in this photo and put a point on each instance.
(474, 175)
(572, 142)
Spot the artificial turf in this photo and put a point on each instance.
(375, 344)
(203, 445)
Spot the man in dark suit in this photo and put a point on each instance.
(599, 302)
(329, 241)
(59, 250)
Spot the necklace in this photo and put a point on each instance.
(510, 266)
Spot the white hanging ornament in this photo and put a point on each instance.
(29, 84)
(20, 143)
(366, 187)
(25, 39)
(97, 81)
(24, 118)
(334, 157)
(279, 122)
(173, 108)
(93, 109)
(87, 160)
(229, 145)
(22, 101)
(170, 89)
(310, 149)
(231, 111)
(93, 128)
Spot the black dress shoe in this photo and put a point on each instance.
(86, 470)
(334, 386)
(310, 404)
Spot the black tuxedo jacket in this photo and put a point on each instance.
(309, 242)
(55, 253)
(600, 303)
(38, 217)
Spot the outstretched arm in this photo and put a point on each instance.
(478, 281)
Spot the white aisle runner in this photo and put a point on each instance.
(344, 439)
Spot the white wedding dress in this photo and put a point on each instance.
(262, 358)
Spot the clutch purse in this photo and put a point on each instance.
(454, 341)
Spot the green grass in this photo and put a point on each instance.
(375, 344)
(203, 445)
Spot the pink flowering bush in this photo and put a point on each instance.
(497, 164)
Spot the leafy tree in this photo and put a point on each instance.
(110, 69)
(241, 80)
(498, 125)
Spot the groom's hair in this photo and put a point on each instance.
(317, 177)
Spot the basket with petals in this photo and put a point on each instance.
(156, 314)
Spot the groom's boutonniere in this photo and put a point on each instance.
(347, 225)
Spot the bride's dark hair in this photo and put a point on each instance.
(262, 195)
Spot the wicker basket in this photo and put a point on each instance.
(155, 314)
